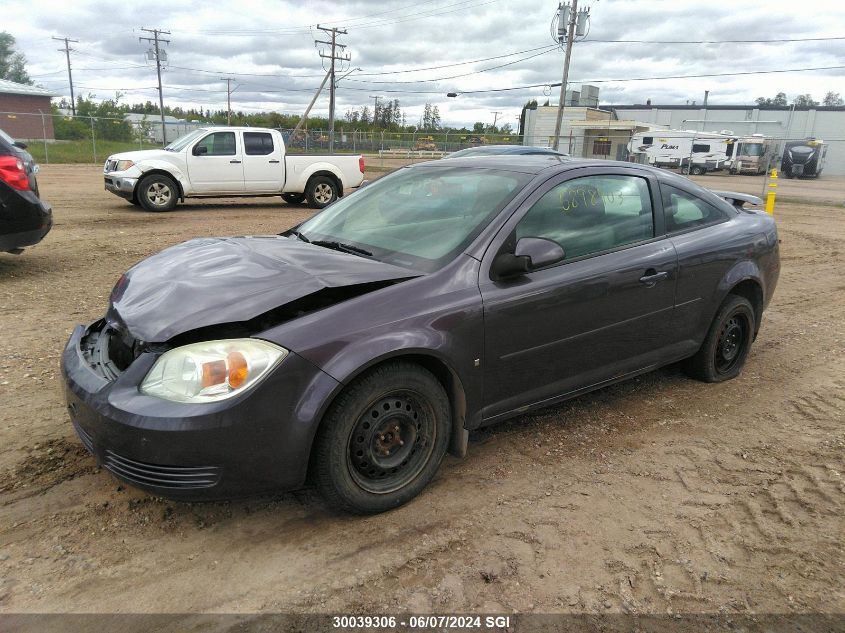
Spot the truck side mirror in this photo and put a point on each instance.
(199, 150)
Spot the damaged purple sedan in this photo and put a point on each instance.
(358, 348)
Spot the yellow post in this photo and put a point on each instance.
(770, 197)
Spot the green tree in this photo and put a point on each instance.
(478, 127)
(12, 62)
(833, 99)
(531, 104)
(778, 100)
(805, 101)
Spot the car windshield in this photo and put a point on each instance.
(185, 140)
(6, 137)
(751, 149)
(418, 218)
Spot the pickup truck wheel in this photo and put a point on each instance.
(293, 198)
(157, 192)
(321, 191)
(382, 439)
(723, 353)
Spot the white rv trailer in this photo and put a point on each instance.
(692, 151)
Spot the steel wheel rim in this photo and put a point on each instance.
(391, 442)
(731, 343)
(158, 194)
(323, 193)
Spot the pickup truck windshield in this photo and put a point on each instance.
(418, 218)
(183, 141)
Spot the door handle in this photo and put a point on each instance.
(651, 277)
(234, 161)
(273, 161)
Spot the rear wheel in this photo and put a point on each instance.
(697, 170)
(382, 440)
(157, 192)
(293, 198)
(724, 351)
(321, 191)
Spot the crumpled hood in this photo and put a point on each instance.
(211, 281)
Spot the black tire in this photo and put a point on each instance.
(725, 349)
(157, 192)
(697, 170)
(382, 439)
(321, 191)
(293, 198)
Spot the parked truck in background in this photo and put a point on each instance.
(217, 162)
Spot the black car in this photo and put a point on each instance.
(362, 345)
(24, 218)
(506, 150)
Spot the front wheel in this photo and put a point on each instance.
(382, 440)
(293, 198)
(321, 191)
(725, 349)
(157, 192)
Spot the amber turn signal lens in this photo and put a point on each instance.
(213, 373)
(238, 369)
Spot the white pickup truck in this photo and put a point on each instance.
(217, 162)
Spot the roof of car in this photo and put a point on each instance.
(531, 163)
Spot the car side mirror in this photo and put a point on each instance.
(20, 145)
(531, 253)
(199, 150)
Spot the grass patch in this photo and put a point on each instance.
(82, 151)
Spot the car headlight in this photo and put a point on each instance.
(123, 165)
(211, 371)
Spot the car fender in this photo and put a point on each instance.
(744, 270)
(159, 165)
(305, 174)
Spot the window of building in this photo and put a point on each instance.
(601, 148)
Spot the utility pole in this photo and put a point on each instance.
(228, 81)
(308, 109)
(67, 49)
(571, 22)
(495, 114)
(333, 57)
(157, 53)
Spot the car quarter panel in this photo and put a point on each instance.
(712, 260)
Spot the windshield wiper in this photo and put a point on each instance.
(300, 236)
(340, 246)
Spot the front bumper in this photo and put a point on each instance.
(256, 442)
(122, 186)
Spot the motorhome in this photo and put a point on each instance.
(693, 152)
(752, 154)
(803, 159)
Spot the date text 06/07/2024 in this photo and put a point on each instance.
(422, 622)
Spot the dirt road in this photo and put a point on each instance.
(658, 495)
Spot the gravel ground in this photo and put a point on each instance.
(659, 495)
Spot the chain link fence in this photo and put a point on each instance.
(63, 138)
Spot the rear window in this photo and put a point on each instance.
(686, 211)
(258, 143)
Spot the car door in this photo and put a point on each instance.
(214, 164)
(262, 164)
(602, 312)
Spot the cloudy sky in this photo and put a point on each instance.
(419, 51)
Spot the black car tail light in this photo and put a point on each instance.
(12, 172)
